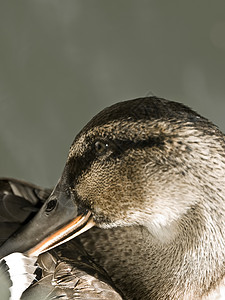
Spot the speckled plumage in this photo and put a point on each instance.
(152, 174)
(68, 273)
(172, 187)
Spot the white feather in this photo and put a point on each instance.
(21, 270)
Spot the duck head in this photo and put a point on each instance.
(139, 162)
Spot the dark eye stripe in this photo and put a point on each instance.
(77, 165)
(123, 145)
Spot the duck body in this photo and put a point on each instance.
(150, 175)
(67, 272)
(144, 270)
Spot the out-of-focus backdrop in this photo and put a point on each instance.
(63, 61)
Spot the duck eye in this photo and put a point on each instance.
(50, 205)
(101, 147)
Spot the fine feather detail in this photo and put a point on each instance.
(21, 272)
(218, 293)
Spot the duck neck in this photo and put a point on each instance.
(188, 266)
(194, 259)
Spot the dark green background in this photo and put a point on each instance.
(61, 61)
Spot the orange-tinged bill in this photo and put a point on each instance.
(77, 226)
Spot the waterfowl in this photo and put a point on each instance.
(149, 176)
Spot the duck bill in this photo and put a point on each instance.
(74, 228)
(59, 220)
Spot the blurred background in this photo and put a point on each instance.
(61, 62)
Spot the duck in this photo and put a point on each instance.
(143, 192)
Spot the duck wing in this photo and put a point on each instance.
(19, 201)
(5, 282)
(69, 273)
